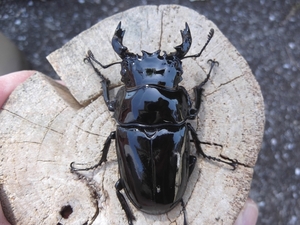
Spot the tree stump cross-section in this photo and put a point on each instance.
(45, 126)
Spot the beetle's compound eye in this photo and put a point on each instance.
(124, 71)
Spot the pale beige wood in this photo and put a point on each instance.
(45, 126)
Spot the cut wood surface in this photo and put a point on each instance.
(45, 126)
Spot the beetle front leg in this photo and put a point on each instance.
(105, 82)
(130, 217)
(199, 89)
(103, 159)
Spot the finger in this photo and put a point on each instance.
(10, 81)
(3, 220)
(248, 215)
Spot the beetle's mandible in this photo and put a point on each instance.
(153, 135)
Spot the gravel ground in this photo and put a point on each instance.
(265, 32)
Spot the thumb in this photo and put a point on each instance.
(248, 215)
(3, 220)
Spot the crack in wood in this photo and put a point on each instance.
(86, 131)
(23, 118)
(223, 84)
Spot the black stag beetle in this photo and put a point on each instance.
(152, 135)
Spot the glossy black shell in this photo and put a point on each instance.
(152, 140)
(151, 105)
(153, 165)
(151, 68)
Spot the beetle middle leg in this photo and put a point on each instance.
(103, 159)
(197, 143)
(199, 89)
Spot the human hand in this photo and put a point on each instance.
(10, 81)
(247, 216)
(3, 220)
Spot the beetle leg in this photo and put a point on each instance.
(105, 82)
(130, 217)
(103, 159)
(90, 56)
(192, 163)
(199, 89)
(184, 213)
(197, 143)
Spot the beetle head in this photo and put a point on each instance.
(151, 68)
(122, 51)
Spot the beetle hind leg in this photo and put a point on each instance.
(130, 217)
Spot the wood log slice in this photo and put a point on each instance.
(45, 126)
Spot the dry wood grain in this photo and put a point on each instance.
(45, 126)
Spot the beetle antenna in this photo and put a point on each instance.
(90, 57)
(209, 37)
